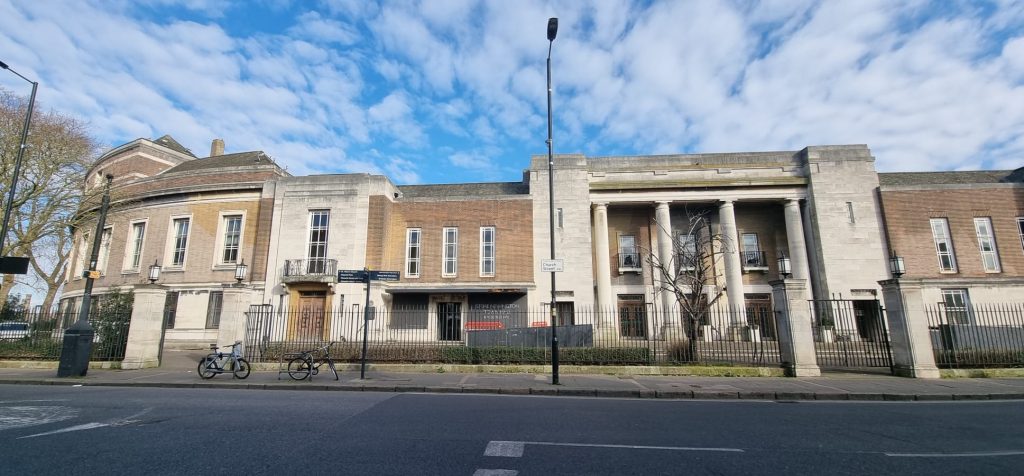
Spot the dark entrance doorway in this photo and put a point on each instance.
(449, 321)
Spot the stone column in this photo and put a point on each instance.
(145, 332)
(670, 327)
(912, 354)
(605, 303)
(733, 268)
(796, 337)
(795, 240)
(232, 314)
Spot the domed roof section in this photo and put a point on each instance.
(139, 159)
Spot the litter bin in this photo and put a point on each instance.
(74, 355)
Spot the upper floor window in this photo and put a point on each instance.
(138, 233)
(104, 255)
(753, 257)
(317, 253)
(687, 251)
(180, 245)
(629, 256)
(451, 252)
(232, 238)
(80, 260)
(1020, 230)
(987, 244)
(413, 245)
(943, 245)
(487, 251)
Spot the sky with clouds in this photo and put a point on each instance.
(439, 91)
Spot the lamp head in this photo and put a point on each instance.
(4, 65)
(552, 28)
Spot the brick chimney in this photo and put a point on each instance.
(217, 148)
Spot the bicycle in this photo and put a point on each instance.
(217, 362)
(305, 366)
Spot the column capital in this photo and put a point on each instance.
(792, 201)
(662, 203)
(600, 204)
(722, 202)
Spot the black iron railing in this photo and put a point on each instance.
(753, 259)
(310, 267)
(980, 335)
(39, 335)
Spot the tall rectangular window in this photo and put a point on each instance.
(316, 257)
(987, 244)
(170, 309)
(753, 257)
(450, 252)
(412, 252)
(180, 241)
(104, 255)
(1020, 230)
(687, 251)
(232, 236)
(80, 260)
(213, 309)
(629, 258)
(135, 246)
(487, 251)
(943, 245)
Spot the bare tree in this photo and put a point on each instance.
(690, 274)
(49, 189)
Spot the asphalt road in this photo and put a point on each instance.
(109, 430)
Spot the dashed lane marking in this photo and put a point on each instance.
(514, 449)
(496, 472)
(977, 454)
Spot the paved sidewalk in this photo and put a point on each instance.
(829, 387)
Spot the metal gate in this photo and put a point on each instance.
(850, 334)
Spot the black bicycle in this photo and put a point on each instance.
(220, 362)
(308, 363)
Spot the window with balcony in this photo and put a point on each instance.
(180, 244)
(316, 256)
(413, 246)
(751, 254)
(943, 245)
(232, 226)
(487, 251)
(987, 244)
(450, 252)
(629, 256)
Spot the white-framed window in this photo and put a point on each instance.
(179, 241)
(316, 256)
(943, 245)
(987, 244)
(753, 257)
(687, 258)
(629, 256)
(230, 237)
(80, 260)
(450, 252)
(957, 305)
(213, 309)
(1020, 230)
(133, 250)
(487, 251)
(413, 246)
(104, 255)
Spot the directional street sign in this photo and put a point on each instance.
(384, 275)
(351, 276)
(359, 276)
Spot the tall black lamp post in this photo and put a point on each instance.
(552, 31)
(74, 355)
(9, 264)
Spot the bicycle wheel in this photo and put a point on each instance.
(299, 368)
(242, 368)
(330, 363)
(207, 367)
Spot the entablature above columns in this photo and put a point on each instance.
(705, 196)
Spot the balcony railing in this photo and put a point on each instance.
(310, 268)
(754, 260)
(629, 259)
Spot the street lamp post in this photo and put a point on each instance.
(74, 355)
(552, 31)
(7, 265)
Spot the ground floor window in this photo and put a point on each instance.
(449, 321)
(213, 309)
(957, 305)
(632, 316)
(170, 309)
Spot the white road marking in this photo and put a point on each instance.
(979, 454)
(505, 449)
(86, 426)
(495, 472)
(22, 416)
(514, 449)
